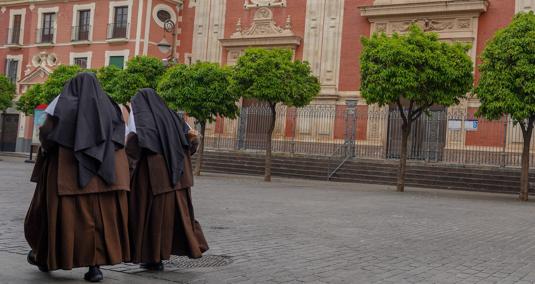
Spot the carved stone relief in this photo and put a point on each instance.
(525, 5)
(263, 25)
(263, 32)
(264, 3)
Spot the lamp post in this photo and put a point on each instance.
(170, 27)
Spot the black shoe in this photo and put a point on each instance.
(94, 274)
(31, 260)
(154, 266)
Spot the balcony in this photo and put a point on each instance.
(117, 32)
(80, 34)
(14, 38)
(45, 37)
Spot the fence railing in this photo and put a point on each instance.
(45, 35)
(118, 30)
(454, 136)
(14, 37)
(80, 33)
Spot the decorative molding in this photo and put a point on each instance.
(263, 25)
(524, 5)
(29, 75)
(427, 25)
(44, 59)
(208, 29)
(323, 41)
(263, 3)
(421, 8)
(263, 32)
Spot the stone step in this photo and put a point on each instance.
(368, 171)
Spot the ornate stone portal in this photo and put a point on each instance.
(263, 32)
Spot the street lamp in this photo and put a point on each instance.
(170, 27)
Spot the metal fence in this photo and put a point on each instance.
(454, 136)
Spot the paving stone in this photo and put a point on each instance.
(299, 231)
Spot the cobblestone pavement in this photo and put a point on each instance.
(295, 231)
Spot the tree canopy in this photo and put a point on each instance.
(413, 72)
(270, 75)
(30, 99)
(53, 86)
(7, 92)
(416, 67)
(140, 72)
(46, 92)
(507, 83)
(107, 77)
(201, 90)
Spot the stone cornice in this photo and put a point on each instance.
(286, 41)
(437, 7)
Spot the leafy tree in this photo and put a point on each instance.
(107, 77)
(140, 72)
(507, 83)
(7, 93)
(270, 76)
(31, 99)
(56, 81)
(201, 90)
(413, 72)
(127, 85)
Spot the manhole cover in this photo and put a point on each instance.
(205, 261)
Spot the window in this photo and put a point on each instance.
(117, 61)
(12, 66)
(83, 28)
(81, 61)
(163, 15)
(15, 31)
(47, 28)
(120, 24)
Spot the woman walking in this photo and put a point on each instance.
(162, 221)
(79, 212)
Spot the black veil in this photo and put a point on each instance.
(89, 123)
(160, 130)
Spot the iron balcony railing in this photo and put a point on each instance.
(80, 33)
(14, 37)
(46, 35)
(118, 30)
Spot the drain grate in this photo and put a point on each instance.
(184, 262)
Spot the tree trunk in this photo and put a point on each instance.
(267, 166)
(524, 177)
(406, 131)
(200, 151)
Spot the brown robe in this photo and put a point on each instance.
(68, 227)
(162, 222)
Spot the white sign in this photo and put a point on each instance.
(471, 125)
(454, 124)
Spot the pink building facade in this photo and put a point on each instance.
(41, 34)
(37, 36)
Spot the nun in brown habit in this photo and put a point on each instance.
(159, 148)
(79, 212)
